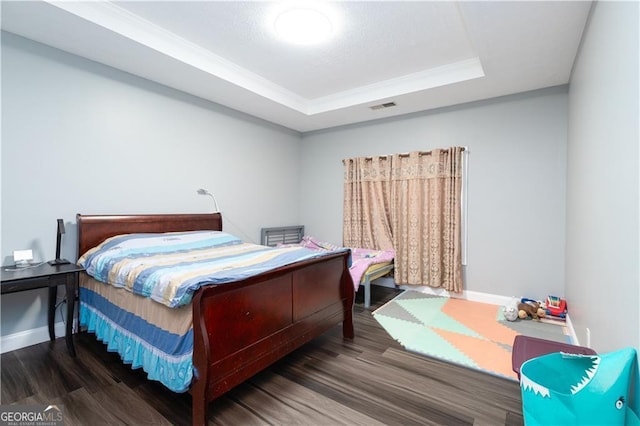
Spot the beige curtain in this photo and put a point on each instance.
(426, 196)
(367, 192)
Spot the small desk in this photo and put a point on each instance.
(50, 276)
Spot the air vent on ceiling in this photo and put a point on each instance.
(384, 105)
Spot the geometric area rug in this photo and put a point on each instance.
(471, 334)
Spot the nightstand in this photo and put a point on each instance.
(46, 275)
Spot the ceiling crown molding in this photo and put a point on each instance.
(418, 55)
(120, 21)
(457, 72)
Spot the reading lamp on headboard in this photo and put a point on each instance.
(59, 261)
(203, 191)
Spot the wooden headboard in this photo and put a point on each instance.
(94, 229)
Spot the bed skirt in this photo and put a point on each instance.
(144, 333)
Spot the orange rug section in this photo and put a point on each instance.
(481, 318)
(486, 354)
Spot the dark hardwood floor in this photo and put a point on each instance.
(370, 380)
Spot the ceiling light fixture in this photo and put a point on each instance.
(303, 26)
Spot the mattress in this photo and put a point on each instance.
(373, 269)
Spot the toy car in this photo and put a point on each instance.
(556, 306)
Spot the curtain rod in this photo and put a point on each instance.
(463, 148)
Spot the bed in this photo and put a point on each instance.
(237, 328)
(367, 264)
(373, 272)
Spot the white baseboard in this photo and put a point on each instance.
(22, 339)
(474, 296)
(572, 332)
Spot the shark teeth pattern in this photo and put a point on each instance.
(589, 372)
(529, 385)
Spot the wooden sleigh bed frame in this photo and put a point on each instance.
(241, 328)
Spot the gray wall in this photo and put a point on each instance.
(602, 278)
(79, 137)
(517, 169)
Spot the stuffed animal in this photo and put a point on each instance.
(530, 309)
(510, 310)
(510, 313)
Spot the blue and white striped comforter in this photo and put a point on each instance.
(170, 267)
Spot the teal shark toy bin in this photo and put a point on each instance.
(569, 389)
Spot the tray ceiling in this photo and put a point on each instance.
(418, 55)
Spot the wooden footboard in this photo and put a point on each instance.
(244, 327)
(240, 328)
